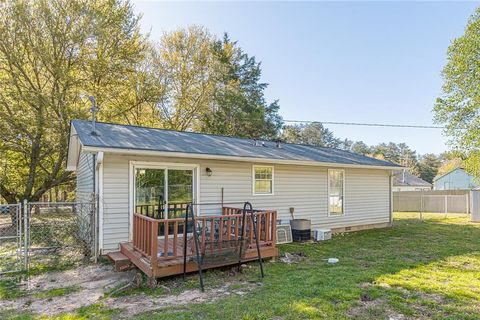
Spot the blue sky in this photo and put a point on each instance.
(376, 62)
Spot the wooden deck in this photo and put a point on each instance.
(164, 256)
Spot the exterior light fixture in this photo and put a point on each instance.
(209, 171)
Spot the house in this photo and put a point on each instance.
(405, 181)
(457, 179)
(135, 171)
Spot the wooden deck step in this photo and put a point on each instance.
(136, 258)
(122, 262)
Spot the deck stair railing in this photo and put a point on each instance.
(225, 243)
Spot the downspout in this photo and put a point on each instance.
(95, 208)
(94, 163)
(390, 200)
(99, 202)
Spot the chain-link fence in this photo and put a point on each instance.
(11, 249)
(59, 234)
(46, 235)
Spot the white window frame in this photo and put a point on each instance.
(253, 180)
(328, 194)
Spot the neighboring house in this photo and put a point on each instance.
(457, 179)
(405, 181)
(131, 168)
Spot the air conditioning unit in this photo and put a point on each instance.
(283, 221)
(322, 234)
(284, 233)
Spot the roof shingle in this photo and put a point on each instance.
(142, 138)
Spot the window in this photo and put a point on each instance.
(336, 186)
(262, 180)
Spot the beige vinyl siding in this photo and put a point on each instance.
(85, 178)
(302, 187)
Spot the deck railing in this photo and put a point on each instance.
(170, 245)
(145, 236)
(175, 209)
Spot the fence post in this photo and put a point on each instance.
(26, 234)
(421, 207)
(446, 204)
(467, 203)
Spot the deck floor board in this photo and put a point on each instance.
(174, 265)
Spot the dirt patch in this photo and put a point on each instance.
(374, 309)
(92, 282)
(294, 257)
(367, 306)
(135, 304)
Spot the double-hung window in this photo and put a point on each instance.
(336, 190)
(262, 180)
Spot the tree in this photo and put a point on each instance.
(183, 64)
(312, 133)
(361, 147)
(458, 107)
(346, 144)
(239, 106)
(51, 52)
(398, 153)
(448, 164)
(428, 167)
(212, 86)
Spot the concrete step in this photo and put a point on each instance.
(121, 261)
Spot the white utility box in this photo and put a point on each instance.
(322, 234)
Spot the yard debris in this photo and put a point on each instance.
(135, 283)
(293, 257)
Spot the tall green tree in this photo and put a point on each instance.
(312, 133)
(398, 153)
(239, 106)
(428, 166)
(52, 52)
(458, 107)
(361, 147)
(183, 64)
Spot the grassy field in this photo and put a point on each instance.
(415, 270)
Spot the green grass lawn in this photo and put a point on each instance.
(426, 270)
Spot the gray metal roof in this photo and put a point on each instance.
(142, 138)
(408, 179)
